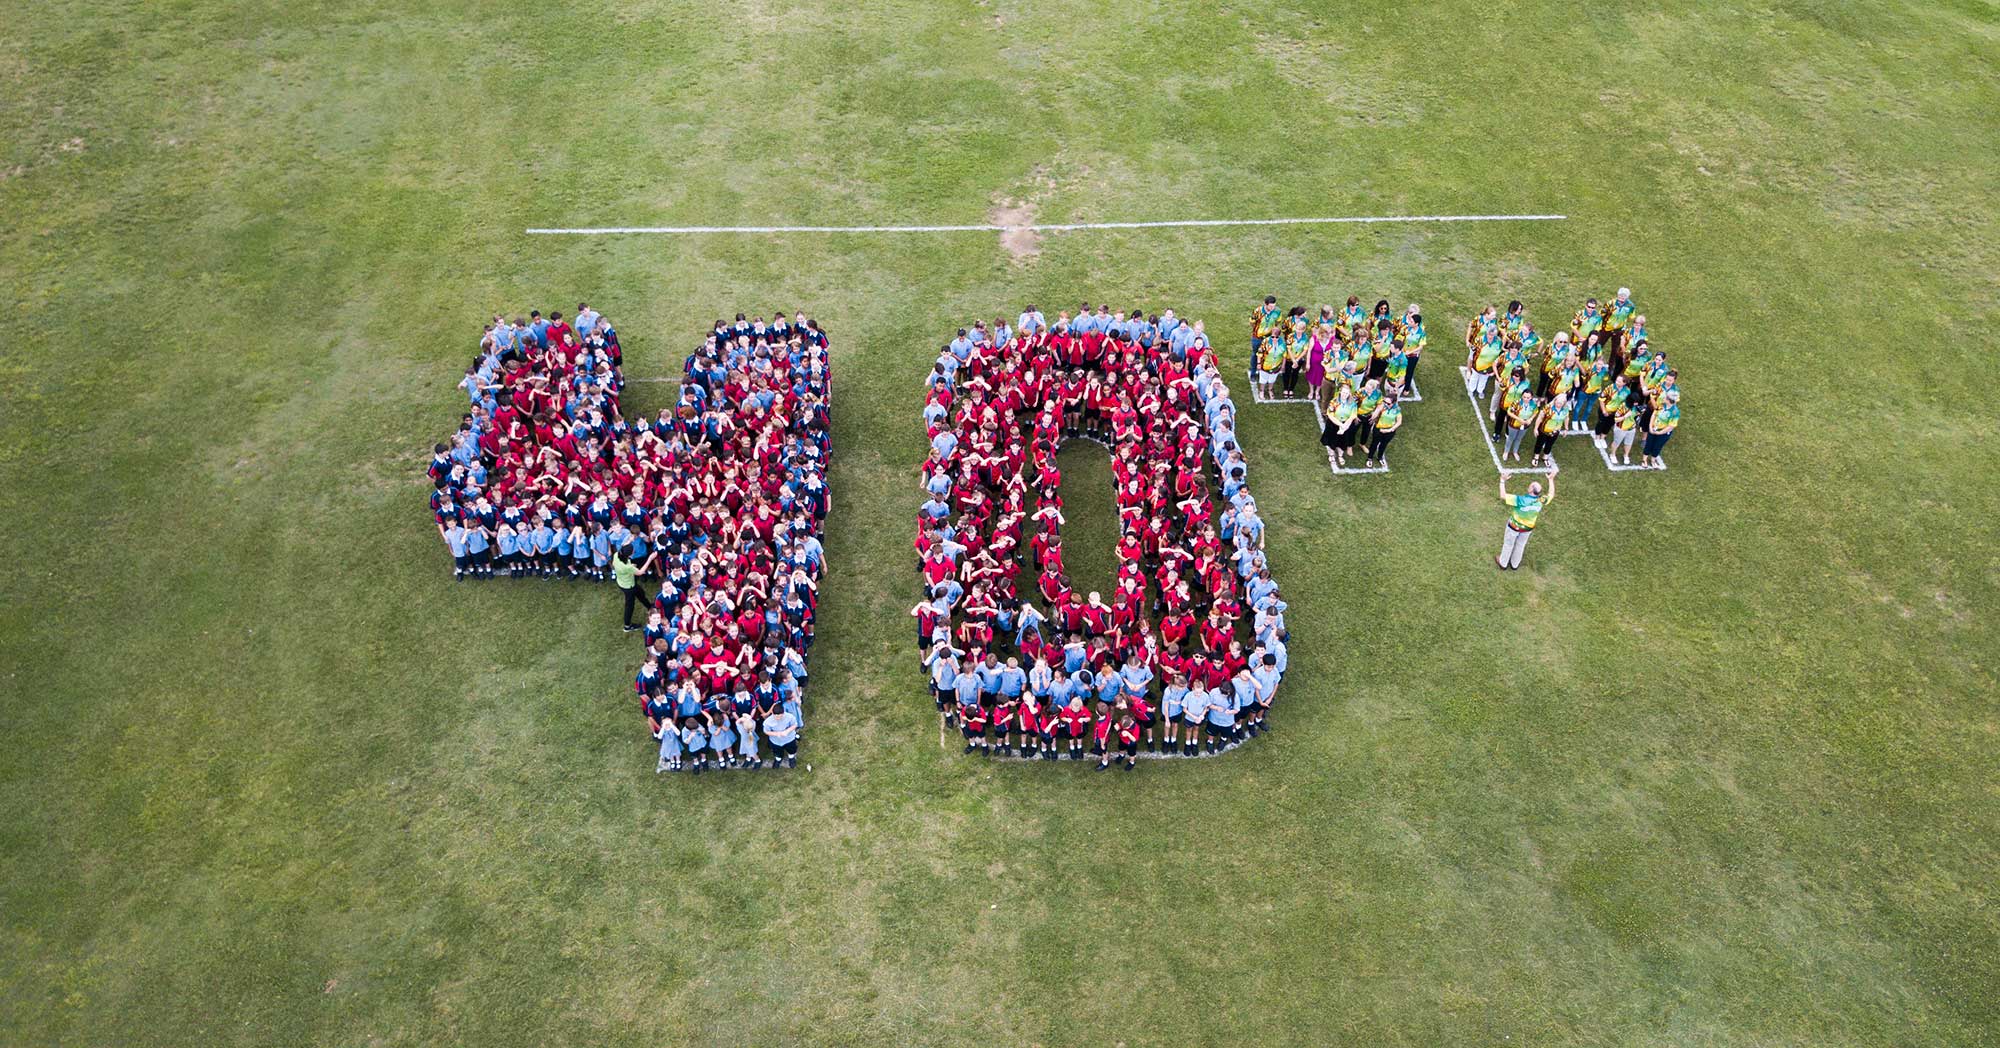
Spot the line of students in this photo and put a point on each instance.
(720, 500)
(1602, 377)
(1102, 677)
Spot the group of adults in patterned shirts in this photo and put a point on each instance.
(1358, 366)
(1602, 377)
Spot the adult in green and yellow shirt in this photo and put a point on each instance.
(1524, 512)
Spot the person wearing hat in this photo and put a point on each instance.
(1665, 418)
(1525, 511)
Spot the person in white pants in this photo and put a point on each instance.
(1524, 512)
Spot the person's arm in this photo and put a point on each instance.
(1552, 487)
(1503, 488)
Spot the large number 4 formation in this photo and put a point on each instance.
(720, 498)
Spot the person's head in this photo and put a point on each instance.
(1352, 301)
(1535, 487)
(1624, 294)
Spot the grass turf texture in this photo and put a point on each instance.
(1715, 768)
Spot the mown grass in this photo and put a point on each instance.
(1717, 768)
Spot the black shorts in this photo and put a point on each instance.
(461, 561)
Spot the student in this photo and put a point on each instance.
(1525, 511)
(1129, 732)
(694, 744)
(455, 539)
(670, 749)
(973, 721)
(1172, 705)
(600, 552)
(478, 551)
(722, 737)
(781, 730)
(1221, 719)
(1076, 723)
(746, 739)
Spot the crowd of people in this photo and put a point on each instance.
(1601, 377)
(1186, 655)
(718, 502)
(1358, 367)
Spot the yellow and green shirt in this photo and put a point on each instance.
(1621, 315)
(1527, 509)
(1343, 410)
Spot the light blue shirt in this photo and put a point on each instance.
(781, 728)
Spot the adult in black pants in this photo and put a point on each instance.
(626, 574)
(1500, 404)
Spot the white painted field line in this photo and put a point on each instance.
(1054, 227)
(1604, 452)
(1257, 393)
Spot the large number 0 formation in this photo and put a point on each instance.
(1186, 655)
(720, 499)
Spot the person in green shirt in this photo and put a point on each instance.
(1387, 420)
(1524, 512)
(1624, 423)
(1507, 394)
(1415, 338)
(1397, 371)
(1665, 419)
(1549, 425)
(626, 575)
(1337, 433)
(1609, 400)
(1297, 344)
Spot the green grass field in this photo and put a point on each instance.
(1718, 767)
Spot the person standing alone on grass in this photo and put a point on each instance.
(626, 574)
(1526, 510)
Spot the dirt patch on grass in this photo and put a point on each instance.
(1020, 241)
